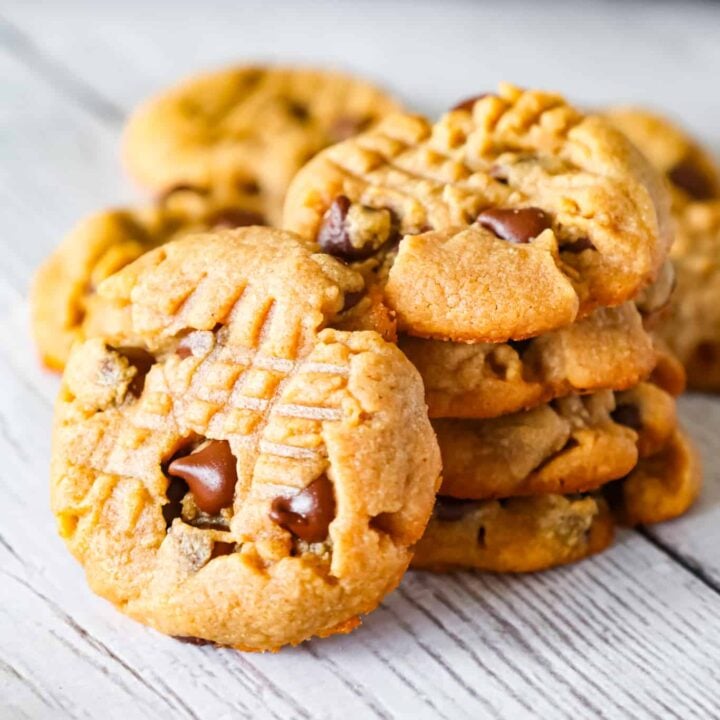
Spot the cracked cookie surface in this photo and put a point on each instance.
(245, 131)
(517, 215)
(233, 468)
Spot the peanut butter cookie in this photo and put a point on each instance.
(607, 349)
(64, 303)
(518, 215)
(573, 444)
(245, 131)
(233, 468)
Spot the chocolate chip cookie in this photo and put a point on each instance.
(690, 170)
(573, 444)
(607, 349)
(233, 468)
(64, 303)
(245, 131)
(691, 327)
(525, 534)
(522, 534)
(514, 216)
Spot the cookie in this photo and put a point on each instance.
(517, 215)
(245, 131)
(691, 172)
(524, 534)
(65, 306)
(608, 349)
(244, 473)
(661, 487)
(691, 328)
(573, 444)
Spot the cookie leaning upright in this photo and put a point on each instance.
(518, 214)
(243, 132)
(244, 473)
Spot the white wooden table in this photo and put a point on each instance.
(632, 633)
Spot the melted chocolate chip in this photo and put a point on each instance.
(308, 513)
(628, 415)
(142, 361)
(175, 493)
(230, 218)
(222, 548)
(449, 509)
(469, 103)
(516, 225)
(211, 474)
(578, 246)
(691, 178)
(333, 236)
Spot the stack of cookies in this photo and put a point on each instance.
(253, 422)
(533, 255)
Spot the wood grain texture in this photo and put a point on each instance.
(634, 633)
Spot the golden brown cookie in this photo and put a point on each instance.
(692, 326)
(65, 304)
(573, 444)
(519, 215)
(691, 172)
(245, 131)
(661, 487)
(244, 473)
(523, 534)
(608, 349)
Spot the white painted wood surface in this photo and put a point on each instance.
(633, 633)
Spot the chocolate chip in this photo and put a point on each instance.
(469, 103)
(352, 299)
(222, 548)
(516, 225)
(211, 473)
(346, 127)
(298, 110)
(308, 513)
(175, 493)
(450, 509)
(335, 238)
(142, 361)
(578, 246)
(628, 415)
(230, 218)
(693, 179)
